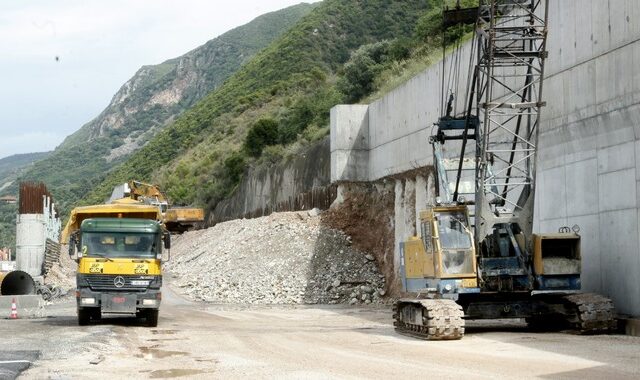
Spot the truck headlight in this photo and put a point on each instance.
(448, 287)
(149, 302)
(88, 301)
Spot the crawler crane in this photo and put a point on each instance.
(477, 256)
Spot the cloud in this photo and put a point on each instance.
(36, 141)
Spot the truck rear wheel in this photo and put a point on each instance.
(84, 316)
(152, 317)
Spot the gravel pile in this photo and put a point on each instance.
(60, 281)
(63, 272)
(284, 258)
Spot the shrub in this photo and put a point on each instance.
(360, 71)
(273, 154)
(263, 133)
(234, 167)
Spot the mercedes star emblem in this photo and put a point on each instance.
(118, 282)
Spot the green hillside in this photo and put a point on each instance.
(151, 100)
(12, 166)
(278, 100)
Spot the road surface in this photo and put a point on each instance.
(212, 341)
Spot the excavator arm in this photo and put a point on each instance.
(176, 219)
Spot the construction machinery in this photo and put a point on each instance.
(119, 250)
(176, 219)
(476, 256)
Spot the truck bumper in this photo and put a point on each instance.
(118, 302)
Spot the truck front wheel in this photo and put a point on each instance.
(84, 316)
(152, 317)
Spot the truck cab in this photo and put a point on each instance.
(119, 267)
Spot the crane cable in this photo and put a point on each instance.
(451, 77)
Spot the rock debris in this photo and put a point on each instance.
(284, 258)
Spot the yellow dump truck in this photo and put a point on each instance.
(119, 250)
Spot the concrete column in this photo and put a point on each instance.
(421, 200)
(399, 223)
(431, 189)
(410, 208)
(30, 240)
(349, 143)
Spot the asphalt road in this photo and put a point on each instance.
(12, 363)
(213, 341)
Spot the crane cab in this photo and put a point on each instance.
(442, 261)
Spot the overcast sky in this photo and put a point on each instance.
(99, 46)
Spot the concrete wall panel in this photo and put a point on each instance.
(551, 183)
(619, 258)
(617, 190)
(582, 188)
(590, 249)
(619, 26)
(600, 25)
(582, 20)
(617, 157)
(637, 154)
(349, 143)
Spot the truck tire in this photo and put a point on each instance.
(84, 316)
(152, 317)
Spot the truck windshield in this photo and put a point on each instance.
(119, 244)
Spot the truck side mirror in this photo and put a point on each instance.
(166, 238)
(72, 246)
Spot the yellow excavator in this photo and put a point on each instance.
(175, 219)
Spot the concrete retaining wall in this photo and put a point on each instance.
(589, 148)
(298, 184)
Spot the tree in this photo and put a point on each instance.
(361, 70)
(263, 133)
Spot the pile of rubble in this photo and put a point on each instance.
(284, 258)
(61, 277)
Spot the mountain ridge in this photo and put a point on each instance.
(149, 101)
(198, 157)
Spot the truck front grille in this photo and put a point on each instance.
(107, 282)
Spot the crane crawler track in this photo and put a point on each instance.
(591, 313)
(429, 319)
